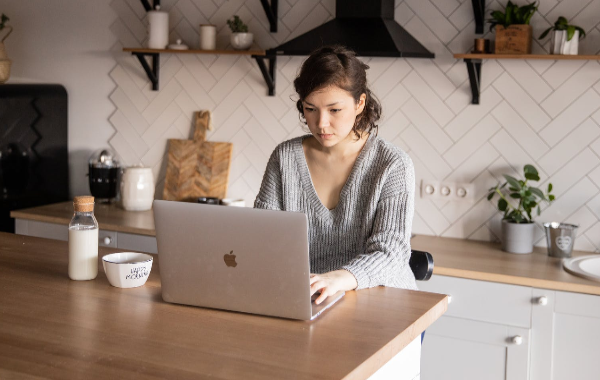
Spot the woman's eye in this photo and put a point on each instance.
(336, 110)
(308, 109)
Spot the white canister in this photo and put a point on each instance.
(158, 29)
(137, 189)
(208, 37)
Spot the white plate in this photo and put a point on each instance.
(584, 266)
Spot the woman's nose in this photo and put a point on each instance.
(323, 119)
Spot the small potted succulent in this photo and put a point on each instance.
(4, 61)
(513, 32)
(517, 222)
(240, 38)
(565, 39)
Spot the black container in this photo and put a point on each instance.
(103, 175)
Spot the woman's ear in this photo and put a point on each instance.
(360, 105)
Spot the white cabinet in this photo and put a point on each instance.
(567, 343)
(485, 334)
(114, 239)
(477, 337)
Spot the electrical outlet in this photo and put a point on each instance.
(449, 191)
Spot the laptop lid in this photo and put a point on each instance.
(234, 258)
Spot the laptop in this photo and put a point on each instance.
(236, 258)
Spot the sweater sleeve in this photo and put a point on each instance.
(388, 250)
(270, 195)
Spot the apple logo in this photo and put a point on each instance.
(230, 259)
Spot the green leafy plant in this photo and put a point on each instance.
(513, 15)
(563, 24)
(237, 25)
(529, 197)
(3, 20)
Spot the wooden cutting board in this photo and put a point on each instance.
(197, 168)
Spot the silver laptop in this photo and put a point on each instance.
(236, 258)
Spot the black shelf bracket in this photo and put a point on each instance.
(479, 12)
(474, 69)
(268, 73)
(151, 72)
(271, 12)
(147, 5)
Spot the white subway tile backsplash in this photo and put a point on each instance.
(540, 112)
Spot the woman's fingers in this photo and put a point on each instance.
(316, 286)
(322, 297)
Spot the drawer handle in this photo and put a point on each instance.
(518, 339)
(449, 298)
(107, 240)
(543, 300)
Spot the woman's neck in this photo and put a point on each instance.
(350, 146)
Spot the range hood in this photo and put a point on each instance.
(365, 26)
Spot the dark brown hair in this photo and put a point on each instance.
(338, 66)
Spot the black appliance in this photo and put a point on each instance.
(365, 26)
(103, 175)
(33, 148)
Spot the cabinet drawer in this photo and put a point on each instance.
(484, 301)
(107, 238)
(137, 242)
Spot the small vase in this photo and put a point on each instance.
(517, 237)
(560, 45)
(241, 41)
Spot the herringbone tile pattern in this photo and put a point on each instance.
(541, 112)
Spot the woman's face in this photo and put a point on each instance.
(330, 114)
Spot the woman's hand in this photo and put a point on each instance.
(330, 283)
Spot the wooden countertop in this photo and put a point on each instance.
(452, 257)
(54, 327)
(109, 216)
(485, 261)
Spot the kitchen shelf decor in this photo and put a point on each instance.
(473, 62)
(152, 70)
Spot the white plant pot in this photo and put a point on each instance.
(241, 41)
(560, 45)
(517, 237)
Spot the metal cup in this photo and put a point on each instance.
(560, 238)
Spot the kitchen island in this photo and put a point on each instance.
(52, 327)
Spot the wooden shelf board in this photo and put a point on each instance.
(190, 51)
(527, 56)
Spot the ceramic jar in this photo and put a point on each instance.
(137, 189)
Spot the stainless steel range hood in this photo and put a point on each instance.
(365, 26)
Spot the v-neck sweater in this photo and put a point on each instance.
(368, 232)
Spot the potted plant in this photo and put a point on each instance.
(240, 38)
(4, 61)
(565, 39)
(513, 32)
(517, 222)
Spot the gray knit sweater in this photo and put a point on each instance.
(368, 232)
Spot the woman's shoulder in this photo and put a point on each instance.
(391, 155)
(287, 148)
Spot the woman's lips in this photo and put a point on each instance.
(325, 136)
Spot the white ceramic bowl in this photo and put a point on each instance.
(127, 269)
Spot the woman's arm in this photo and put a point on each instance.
(388, 246)
(270, 195)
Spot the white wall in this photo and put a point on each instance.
(68, 42)
(542, 112)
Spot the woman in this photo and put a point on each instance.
(356, 189)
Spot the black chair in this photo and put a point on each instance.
(421, 264)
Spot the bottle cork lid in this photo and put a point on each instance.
(84, 203)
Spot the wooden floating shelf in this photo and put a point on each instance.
(189, 51)
(473, 62)
(528, 56)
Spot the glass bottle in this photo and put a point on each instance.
(83, 240)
